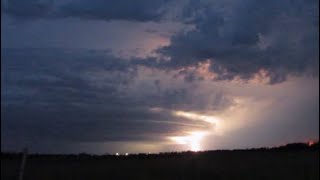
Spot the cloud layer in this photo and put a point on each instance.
(244, 38)
(140, 10)
(96, 72)
(91, 96)
(239, 39)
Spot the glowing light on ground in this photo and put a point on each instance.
(193, 140)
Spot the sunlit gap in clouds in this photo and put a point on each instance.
(197, 117)
(193, 139)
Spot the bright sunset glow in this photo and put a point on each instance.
(193, 140)
(195, 116)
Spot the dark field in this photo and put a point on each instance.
(215, 165)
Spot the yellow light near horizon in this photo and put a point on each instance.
(193, 140)
(179, 139)
(195, 146)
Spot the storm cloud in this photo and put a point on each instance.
(90, 96)
(243, 38)
(240, 39)
(95, 72)
(141, 10)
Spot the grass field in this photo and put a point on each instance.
(215, 165)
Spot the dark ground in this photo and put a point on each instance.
(261, 164)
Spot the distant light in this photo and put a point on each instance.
(117, 154)
(127, 154)
(310, 143)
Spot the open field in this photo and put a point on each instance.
(260, 164)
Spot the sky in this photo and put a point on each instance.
(103, 76)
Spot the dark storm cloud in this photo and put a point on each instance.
(27, 9)
(140, 10)
(88, 124)
(84, 96)
(239, 38)
(244, 37)
(76, 95)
